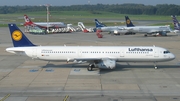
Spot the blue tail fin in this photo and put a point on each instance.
(175, 22)
(128, 22)
(98, 24)
(18, 37)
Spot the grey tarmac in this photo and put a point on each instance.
(34, 80)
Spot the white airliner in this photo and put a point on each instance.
(148, 30)
(43, 24)
(103, 57)
(112, 29)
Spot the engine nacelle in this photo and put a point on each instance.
(163, 33)
(106, 64)
(176, 31)
(116, 31)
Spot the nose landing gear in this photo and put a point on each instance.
(155, 67)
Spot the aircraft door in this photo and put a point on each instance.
(156, 53)
(121, 53)
(79, 53)
(34, 53)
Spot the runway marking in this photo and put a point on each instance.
(66, 97)
(4, 98)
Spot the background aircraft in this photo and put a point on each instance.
(43, 24)
(149, 30)
(176, 24)
(117, 30)
(103, 57)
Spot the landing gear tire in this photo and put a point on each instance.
(90, 68)
(145, 35)
(155, 67)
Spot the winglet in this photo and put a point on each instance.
(128, 22)
(18, 37)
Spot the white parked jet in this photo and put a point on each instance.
(113, 29)
(149, 30)
(43, 24)
(103, 57)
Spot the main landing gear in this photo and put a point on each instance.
(91, 66)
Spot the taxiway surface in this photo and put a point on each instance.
(30, 80)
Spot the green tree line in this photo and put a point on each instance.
(137, 9)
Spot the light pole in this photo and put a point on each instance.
(47, 7)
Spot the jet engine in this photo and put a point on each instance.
(121, 32)
(176, 31)
(163, 33)
(116, 32)
(106, 64)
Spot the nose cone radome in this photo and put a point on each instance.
(172, 56)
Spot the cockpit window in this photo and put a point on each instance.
(166, 52)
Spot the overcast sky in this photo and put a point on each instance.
(76, 2)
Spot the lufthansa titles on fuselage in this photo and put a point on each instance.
(141, 49)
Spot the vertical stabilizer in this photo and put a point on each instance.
(128, 22)
(27, 20)
(18, 37)
(98, 24)
(175, 22)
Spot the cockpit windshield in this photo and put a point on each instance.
(166, 52)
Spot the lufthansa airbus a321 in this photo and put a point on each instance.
(103, 57)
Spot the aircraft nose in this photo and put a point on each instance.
(172, 56)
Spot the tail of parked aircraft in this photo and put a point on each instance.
(128, 22)
(98, 24)
(175, 22)
(27, 20)
(18, 37)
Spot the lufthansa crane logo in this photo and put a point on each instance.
(17, 35)
(128, 21)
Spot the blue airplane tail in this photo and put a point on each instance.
(175, 22)
(98, 24)
(128, 22)
(18, 37)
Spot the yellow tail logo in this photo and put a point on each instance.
(17, 35)
(128, 21)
